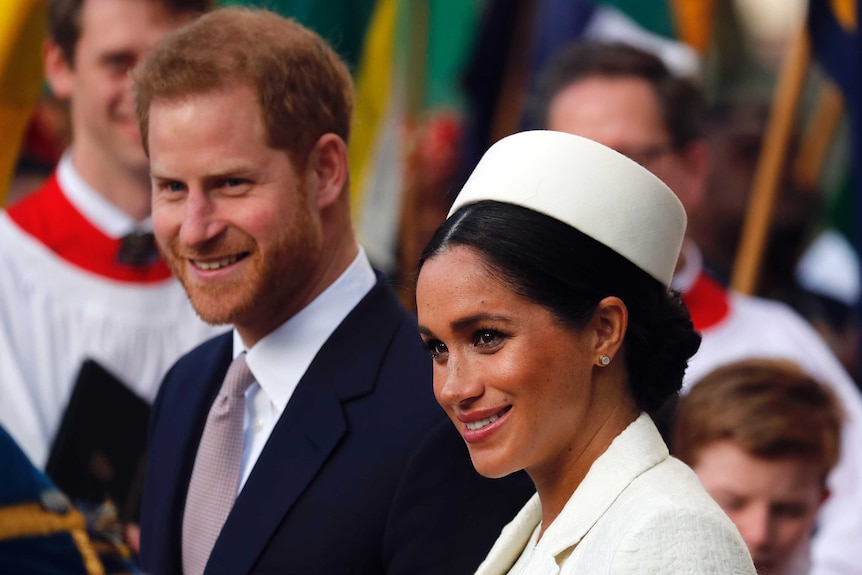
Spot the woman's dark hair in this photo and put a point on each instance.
(554, 265)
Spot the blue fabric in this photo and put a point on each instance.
(49, 555)
(839, 52)
(20, 481)
(554, 24)
(558, 24)
(20, 484)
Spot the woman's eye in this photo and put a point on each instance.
(436, 348)
(487, 338)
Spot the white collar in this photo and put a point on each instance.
(692, 259)
(636, 449)
(104, 215)
(279, 360)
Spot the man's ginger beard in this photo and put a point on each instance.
(274, 277)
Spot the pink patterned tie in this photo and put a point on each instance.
(215, 478)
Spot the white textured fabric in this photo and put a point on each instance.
(96, 209)
(756, 327)
(609, 24)
(215, 476)
(637, 511)
(591, 187)
(53, 316)
(277, 373)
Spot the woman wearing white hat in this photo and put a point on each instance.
(544, 304)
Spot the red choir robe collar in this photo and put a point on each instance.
(48, 216)
(707, 300)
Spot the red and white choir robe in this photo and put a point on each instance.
(64, 298)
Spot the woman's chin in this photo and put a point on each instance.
(491, 469)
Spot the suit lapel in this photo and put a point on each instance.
(195, 392)
(308, 431)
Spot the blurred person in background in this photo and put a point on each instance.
(762, 436)
(81, 278)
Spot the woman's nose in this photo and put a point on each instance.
(457, 382)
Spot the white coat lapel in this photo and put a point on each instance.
(637, 449)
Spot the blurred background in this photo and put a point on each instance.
(438, 81)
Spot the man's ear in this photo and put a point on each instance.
(610, 321)
(58, 71)
(328, 164)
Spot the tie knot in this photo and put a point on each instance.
(238, 377)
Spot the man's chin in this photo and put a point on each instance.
(215, 308)
(213, 316)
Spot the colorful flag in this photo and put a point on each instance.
(22, 31)
(836, 45)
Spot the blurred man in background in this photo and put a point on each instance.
(81, 278)
(762, 436)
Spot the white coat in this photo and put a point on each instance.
(637, 511)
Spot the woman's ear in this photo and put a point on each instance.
(610, 320)
(328, 164)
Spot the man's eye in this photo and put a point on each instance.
(120, 63)
(168, 186)
(233, 182)
(731, 503)
(790, 510)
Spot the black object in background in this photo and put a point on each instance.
(100, 447)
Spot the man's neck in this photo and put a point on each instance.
(128, 190)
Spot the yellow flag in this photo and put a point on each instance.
(694, 20)
(22, 31)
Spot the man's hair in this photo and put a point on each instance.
(304, 89)
(769, 408)
(680, 100)
(64, 20)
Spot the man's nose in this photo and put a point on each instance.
(200, 219)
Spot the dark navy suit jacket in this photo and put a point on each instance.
(362, 474)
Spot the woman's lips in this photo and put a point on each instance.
(481, 424)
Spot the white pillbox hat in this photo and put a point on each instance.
(591, 187)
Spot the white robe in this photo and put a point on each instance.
(54, 315)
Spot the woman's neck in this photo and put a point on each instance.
(556, 485)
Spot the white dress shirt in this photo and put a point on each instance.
(111, 220)
(279, 360)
